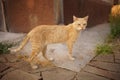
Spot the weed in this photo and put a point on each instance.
(115, 26)
(4, 47)
(103, 49)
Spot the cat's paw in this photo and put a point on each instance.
(12, 50)
(34, 67)
(72, 58)
(51, 59)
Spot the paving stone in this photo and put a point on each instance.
(3, 67)
(117, 61)
(107, 66)
(37, 74)
(88, 76)
(117, 56)
(19, 75)
(12, 37)
(25, 66)
(1, 75)
(107, 58)
(58, 74)
(105, 73)
(2, 59)
(11, 57)
(7, 70)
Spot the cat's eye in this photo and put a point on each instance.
(78, 24)
(84, 24)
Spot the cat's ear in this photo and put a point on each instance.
(86, 18)
(74, 18)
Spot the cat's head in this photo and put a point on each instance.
(80, 23)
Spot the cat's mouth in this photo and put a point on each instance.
(78, 29)
(83, 28)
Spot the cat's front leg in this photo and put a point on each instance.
(71, 57)
(44, 54)
(70, 46)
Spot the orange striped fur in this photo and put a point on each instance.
(43, 35)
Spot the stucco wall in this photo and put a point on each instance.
(23, 15)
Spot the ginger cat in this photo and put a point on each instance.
(43, 35)
(115, 11)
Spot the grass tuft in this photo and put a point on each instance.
(103, 49)
(115, 26)
(4, 47)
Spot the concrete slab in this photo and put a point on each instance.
(83, 48)
(19, 75)
(14, 37)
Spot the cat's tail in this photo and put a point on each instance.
(24, 42)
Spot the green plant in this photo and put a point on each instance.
(115, 26)
(103, 49)
(4, 47)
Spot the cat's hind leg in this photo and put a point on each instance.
(44, 54)
(36, 48)
(32, 57)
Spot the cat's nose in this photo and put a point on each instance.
(83, 28)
